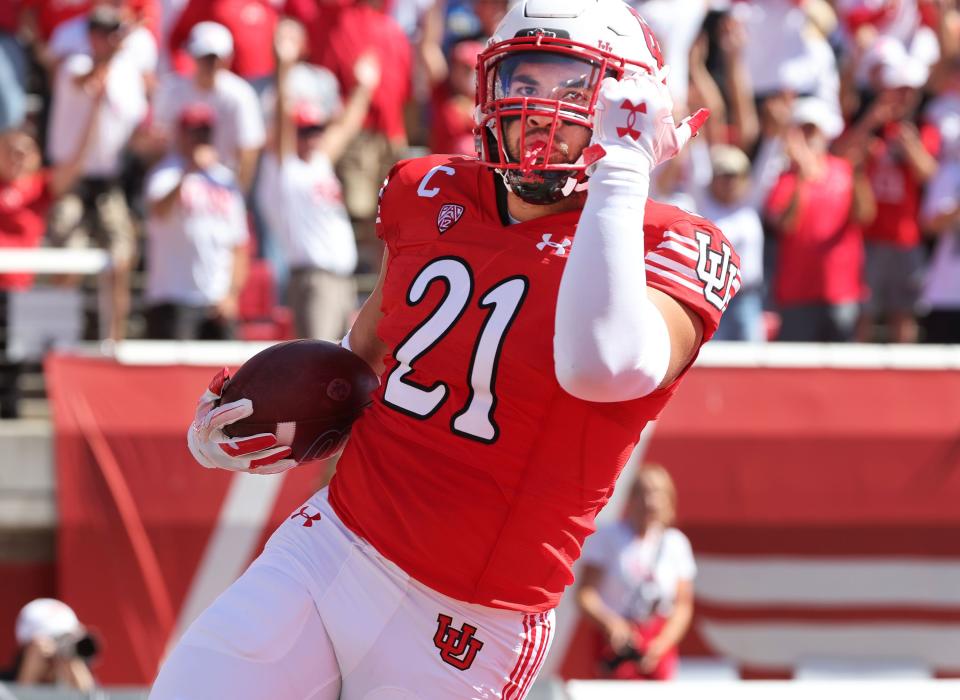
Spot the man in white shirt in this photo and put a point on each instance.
(726, 203)
(300, 196)
(97, 208)
(197, 238)
(137, 43)
(239, 133)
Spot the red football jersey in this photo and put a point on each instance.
(473, 470)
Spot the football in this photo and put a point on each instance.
(306, 392)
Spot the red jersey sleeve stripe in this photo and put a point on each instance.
(692, 243)
(673, 277)
(679, 249)
(679, 267)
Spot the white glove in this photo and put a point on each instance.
(634, 127)
(212, 448)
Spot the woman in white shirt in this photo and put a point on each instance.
(636, 584)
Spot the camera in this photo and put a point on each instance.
(82, 645)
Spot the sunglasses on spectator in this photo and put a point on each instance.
(308, 131)
(105, 28)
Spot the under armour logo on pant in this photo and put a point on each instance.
(308, 519)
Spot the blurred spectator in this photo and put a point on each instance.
(943, 110)
(816, 209)
(786, 47)
(45, 16)
(97, 208)
(135, 41)
(300, 195)
(636, 583)
(53, 647)
(725, 203)
(899, 161)
(676, 23)
(869, 25)
(941, 292)
(196, 236)
(26, 192)
(469, 19)
(239, 132)
(13, 64)
(338, 34)
(451, 101)
(250, 22)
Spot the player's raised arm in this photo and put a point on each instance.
(615, 338)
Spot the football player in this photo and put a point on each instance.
(534, 311)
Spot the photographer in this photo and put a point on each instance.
(637, 584)
(53, 647)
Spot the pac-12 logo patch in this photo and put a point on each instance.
(448, 216)
(458, 647)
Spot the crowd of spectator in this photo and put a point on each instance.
(196, 139)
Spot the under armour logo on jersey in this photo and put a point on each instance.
(632, 112)
(558, 248)
(308, 519)
(716, 271)
(458, 647)
(448, 216)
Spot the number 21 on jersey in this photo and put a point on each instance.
(501, 303)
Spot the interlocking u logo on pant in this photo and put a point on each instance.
(458, 647)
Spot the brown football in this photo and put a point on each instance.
(306, 392)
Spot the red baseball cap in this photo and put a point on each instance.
(308, 114)
(198, 114)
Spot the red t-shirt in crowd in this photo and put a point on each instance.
(473, 470)
(896, 189)
(821, 257)
(451, 125)
(251, 22)
(23, 210)
(10, 15)
(52, 13)
(339, 33)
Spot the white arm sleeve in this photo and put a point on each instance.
(610, 342)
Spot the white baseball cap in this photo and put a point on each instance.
(45, 617)
(210, 39)
(813, 110)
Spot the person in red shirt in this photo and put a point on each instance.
(817, 208)
(26, 193)
(529, 320)
(900, 160)
(451, 102)
(251, 22)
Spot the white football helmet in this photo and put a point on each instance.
(582, 42)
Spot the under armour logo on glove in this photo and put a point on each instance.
(308, 519)
(632, 112)
(558, 248)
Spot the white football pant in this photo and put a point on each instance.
(321, 615)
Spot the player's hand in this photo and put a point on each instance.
(212, 448)
(634, 127)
